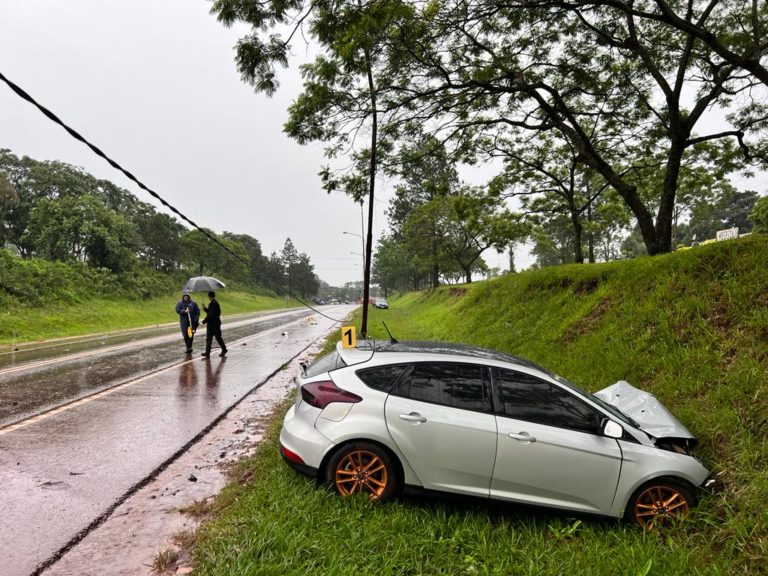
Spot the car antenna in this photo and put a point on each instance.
(392, 339)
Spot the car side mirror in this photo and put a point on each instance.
(612, 429)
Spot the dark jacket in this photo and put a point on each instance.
(213, 314)
(194, 313)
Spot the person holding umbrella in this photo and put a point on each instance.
(189, 318)
(212, 323)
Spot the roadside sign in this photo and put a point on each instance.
(348, 337)
(728, 234)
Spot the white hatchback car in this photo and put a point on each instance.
(466, 420)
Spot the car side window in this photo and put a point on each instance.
(381, 378)
(456, 385)
(528, 398)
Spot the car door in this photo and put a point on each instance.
(440, 416)
(550, 451)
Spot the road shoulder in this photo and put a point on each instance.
(151, 521)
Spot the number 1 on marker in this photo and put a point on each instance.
(348, 337)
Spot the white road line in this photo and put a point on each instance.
(118, 347)
(74, 404)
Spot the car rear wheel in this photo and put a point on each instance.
(659, 503)
(363, 468)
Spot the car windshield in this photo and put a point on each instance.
(327, 363)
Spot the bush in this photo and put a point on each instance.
(759, 216)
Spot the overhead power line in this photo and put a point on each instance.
(96, 150)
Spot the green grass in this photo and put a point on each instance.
(40, 299)
(107, 314)
(690, 327)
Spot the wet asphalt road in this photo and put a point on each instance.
(138, 407)
(60, 372)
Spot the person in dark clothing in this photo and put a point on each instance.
(212, 323)
(189, 317)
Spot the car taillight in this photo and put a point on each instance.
(320, 394)
(291, 455)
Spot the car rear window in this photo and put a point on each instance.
(327, 363)
(381, 378)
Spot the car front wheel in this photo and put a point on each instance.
(363, 468)
(659, 503)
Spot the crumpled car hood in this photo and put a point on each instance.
(644, 409)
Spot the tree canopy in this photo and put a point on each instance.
(55, 211)
(649, 103)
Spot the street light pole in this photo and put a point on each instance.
(361, 239)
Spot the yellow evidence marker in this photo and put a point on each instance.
(348, 337)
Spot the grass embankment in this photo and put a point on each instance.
(690, 327)
(105, 315)
(41, 299)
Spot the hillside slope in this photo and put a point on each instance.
(40, 299)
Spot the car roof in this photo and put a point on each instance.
(367, 348)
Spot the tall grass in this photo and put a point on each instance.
(98, 315)
(40, 299)
(691, 327)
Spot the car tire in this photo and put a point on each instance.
(659, 503)
(363, 468)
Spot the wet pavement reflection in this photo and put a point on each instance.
(63, 470)
(33, 388)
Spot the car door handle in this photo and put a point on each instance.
(523, 437)
(413, 417)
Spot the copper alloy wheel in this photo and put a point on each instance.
(361, 471)
(658, 505)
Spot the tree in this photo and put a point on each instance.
(395, 268)
(303, 277)
(7, 191)
(159, 239)
(425, 173)
(258, 262)
(207, 258)
(81, 228)
(275, 274)
(493, 67)
(547, 178)
(553, 241)
(735, 30)
(759, 216)
(34, 181)
(462, 227)
(288, 258)
(730, 209)
(340, 97)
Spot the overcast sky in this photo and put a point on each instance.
(154, 84)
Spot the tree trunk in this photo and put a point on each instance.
(578, 253)
(435, 268)
(590, 237)
(592, 158)
(666, 213)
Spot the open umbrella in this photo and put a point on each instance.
(203, 284)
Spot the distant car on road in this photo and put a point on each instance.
(430, 415)
(381, 303)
